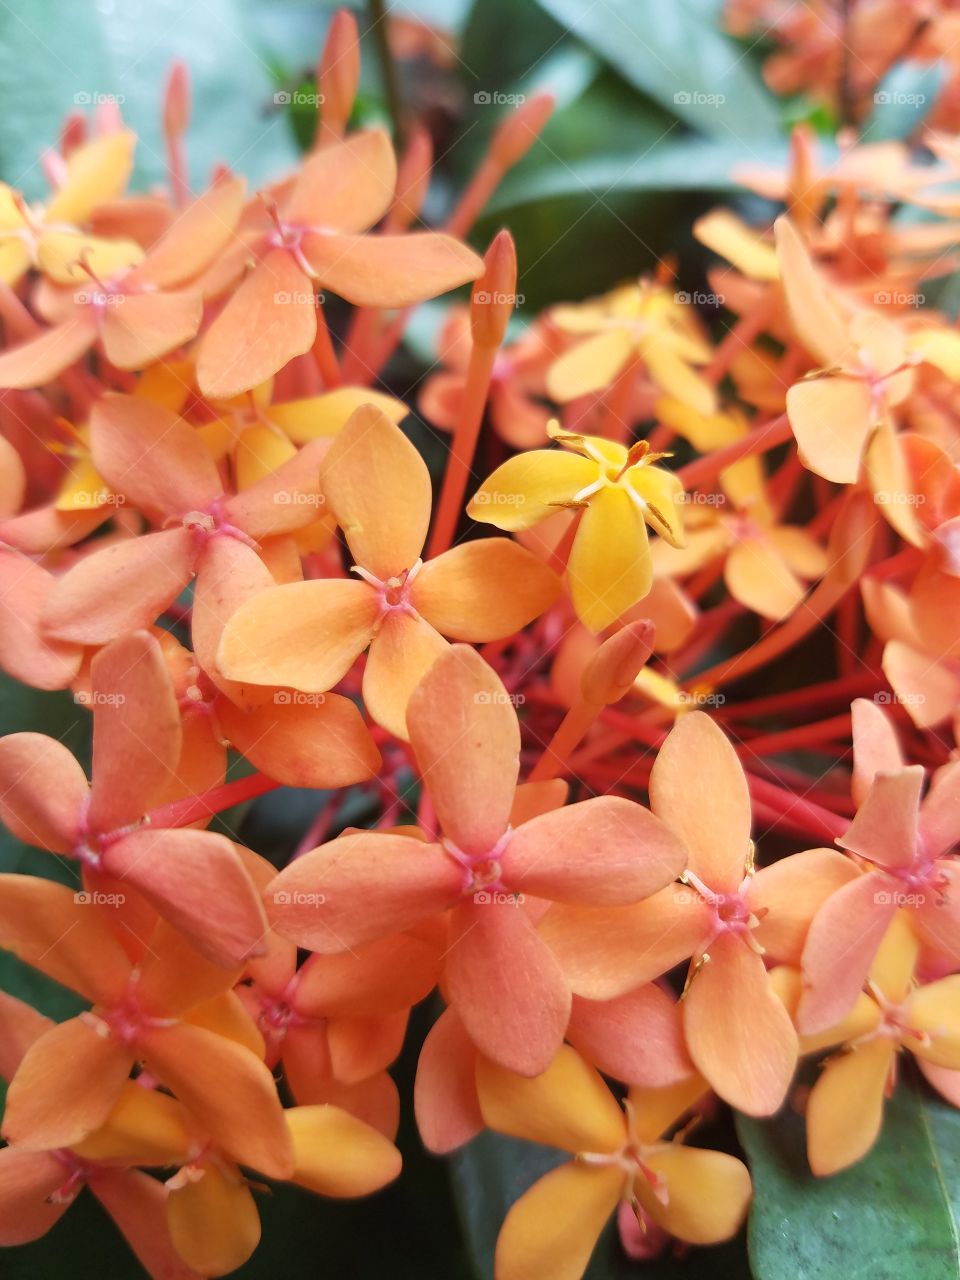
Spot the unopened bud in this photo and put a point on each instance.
(176, 101)
(851, 539)
(514, 138)
(494, 295)
(413, 178)
(338, 73)
(73, 132)
(610, 673)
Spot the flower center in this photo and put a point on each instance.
(211, 522)
(393, 593)
(482, 872)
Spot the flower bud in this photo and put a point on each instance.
(514, 138)
(494, 294)
(610, 673)
(338, 73)
(176, 101)
(413, 178)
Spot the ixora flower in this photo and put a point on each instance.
(500, 976)
(307, 635)
(902, 840)
(698, 1196)
(46, 801)
(314, 238)
(845, 1108)
(617, 490)
(723, 915)
(159, 462)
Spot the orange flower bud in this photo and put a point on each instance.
(519, 131)
(176, 101)
(611, 671)
(413, 178)
(338, 73)
(494, 294)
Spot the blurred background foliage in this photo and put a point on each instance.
(656, 104)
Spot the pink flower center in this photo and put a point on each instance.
(211, 522)
(393, 593)
(481, 871)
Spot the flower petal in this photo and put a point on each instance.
(213, 1220)
(39, 360)
(28, 1180)
(42, 791)
(708, 1193)
(531, 486)
(346, 186)
(636, 1038)
(609, 568)
(445, 1093)
(590, 365)
(390, 271)
(461, 591)
(380, 978)
(845, 1108)
(304, 635)
(401, 654)
(466, 738)
(761, 580)
(738, 1032)
(934, 1009)
(831, 419)
(876, 748)
(137, 1203)
(25, 653)
(940, 814)
(283, 500)
(143, 327)
(711, 815)
(335, 1154)
(506, 985)
(787, 895)
(885, 828)
(399, 880)
(602, 852)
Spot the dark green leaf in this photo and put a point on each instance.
(894, 1214)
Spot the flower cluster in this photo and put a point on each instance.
(593, 840)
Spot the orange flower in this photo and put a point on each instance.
(700, 1197)
(498, 974)
(308, 635)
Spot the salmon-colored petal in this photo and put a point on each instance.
(39, 360)
(231, 1093)
(380, 978)
(335, 1154)
(839, 950)
(707, 1193)
(270, 319)
(815, 317)
(945, 1081)
(445, 1093)
(142, 327)
(28, 1180)
(845, 1108)
(506, 985)
(390, 271)
(61, 933)
(399, 880)
(885, 828)
(787, 895)
(609, 568)
(198, 233)
(213, 1220)
(934, 1012)
(48, 528)
(66, 1085)
(228, 573)
(174, 978)
(284, 500)
(928, 692)
(531, 486)
(378, 487)
(306, 1063)
(42, 791)
(831, 419)
(466, 738)
(553, 1228)
(310, 740)
(601, 852)
(137, 738)
(761, 580)
(607, 951)
(402, 652)
(375, 1101)
(20, 1025)
(698, 788)
(360, 1047)
(801, 551)
(589, 366)
(567, 1105)
(876, 748)
(346, 186)
(637, 1037)
(196, 881)
(228, 1016)
(304, 635)
(137, 1204)
(936, 913)
(25, 653)
(120, 588)
(152, 456)
(940, 815)
(738, 1032)
(461, 591)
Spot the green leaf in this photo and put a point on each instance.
(492, 1171)
(679, 54)
(894, 1214)
(57, 58)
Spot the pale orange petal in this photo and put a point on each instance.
(390, 271)
(42, 791)
(845, 1108)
